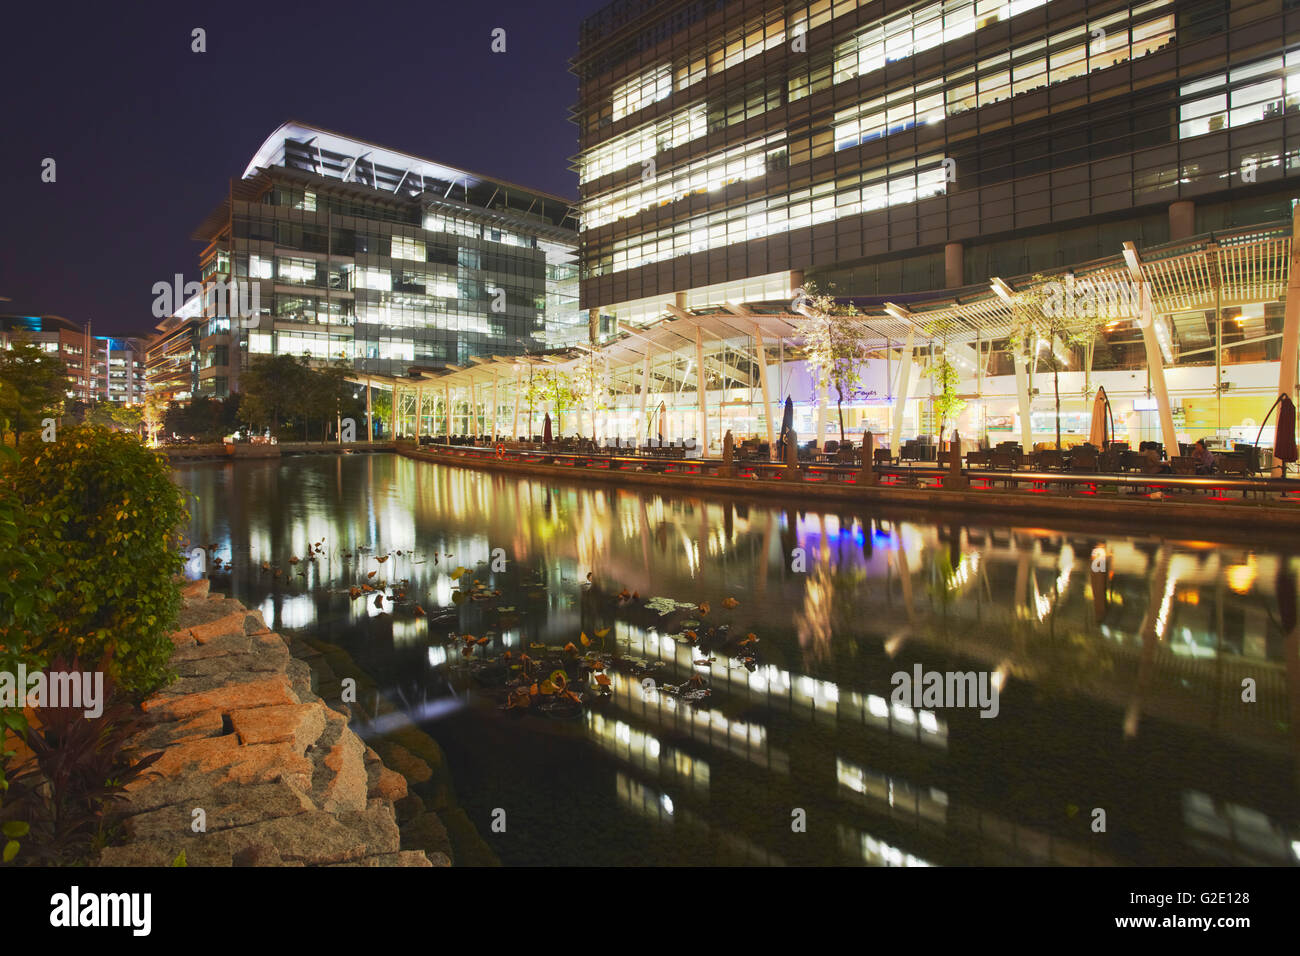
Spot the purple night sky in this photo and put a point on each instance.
(146, 133)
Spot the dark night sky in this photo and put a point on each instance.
(146, 133)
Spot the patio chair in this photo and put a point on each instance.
(1083, 459)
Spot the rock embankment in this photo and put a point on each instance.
(256, 769)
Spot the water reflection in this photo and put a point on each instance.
(1123, 657)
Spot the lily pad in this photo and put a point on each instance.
(665, 606)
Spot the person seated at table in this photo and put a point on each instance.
(1203, 457)
(1153, 465)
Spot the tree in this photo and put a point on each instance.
(1027, 323)
(834, 346)
(590, 390)
(273, 392)
(947, 404)
(1067, 313)
(556, 388)
(114, 416)
(533, 396)
(153, 413)
(33, 386)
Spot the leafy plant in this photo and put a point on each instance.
(947, 405)
(33, 385)
(834, 346)
(110, 515)
(1039, 313)
(63, 799)
(29, 579)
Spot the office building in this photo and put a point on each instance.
(381, 259)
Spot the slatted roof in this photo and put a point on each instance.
(1245, 266)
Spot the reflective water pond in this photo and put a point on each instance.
(744, 670)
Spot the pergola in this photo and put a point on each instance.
(686, 350)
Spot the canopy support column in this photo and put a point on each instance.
(762, 378)
(514, 432)
(1286, 375)
(645, 393)
(901, 396)
(1156, 366)
(702, 385)
(1021, 363)
(370, 422)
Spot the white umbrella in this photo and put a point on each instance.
(1097, 433)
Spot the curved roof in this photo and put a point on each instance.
(271, 153)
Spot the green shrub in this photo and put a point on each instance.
(110, 518)
(28, 581)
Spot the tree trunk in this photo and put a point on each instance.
(839, 404)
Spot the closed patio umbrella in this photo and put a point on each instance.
(1097, 433)
(787, 424)
(1284, 446)
(546, 429)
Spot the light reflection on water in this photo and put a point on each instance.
(1123, 658)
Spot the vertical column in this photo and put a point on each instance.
(1156, 366)
(419, 411)
(514, 431)
(495, 407)
(796, 280)
(593, 326)
(1286, 372)
(1022, 395)
(1182, 220)
(762, 377)
(645, 395)
(902, 395)
(954, 271)
(447, 409)
(392, 415)
(370, 420)
(702, 385)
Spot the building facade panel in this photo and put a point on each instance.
(736, 129)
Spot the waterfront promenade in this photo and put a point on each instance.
(1267, 504)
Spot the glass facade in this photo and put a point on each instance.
(729, 139)
(380, 259)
